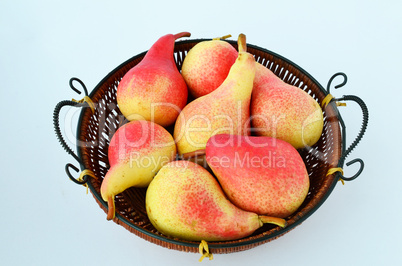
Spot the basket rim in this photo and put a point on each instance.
(214, 245)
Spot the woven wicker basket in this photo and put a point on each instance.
(95, 130)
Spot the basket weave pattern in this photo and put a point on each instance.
(96, 130)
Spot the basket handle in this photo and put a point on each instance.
(77, 181)
(56, 116)
(56, 124)
(359, 137)
(363, 106)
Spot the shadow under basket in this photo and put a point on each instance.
(95, 129)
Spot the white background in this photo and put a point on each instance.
(48, 220)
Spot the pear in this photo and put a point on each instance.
(225, 110)
(136, 152)
(259, 174)
(284, 111)
(185, 201)
(154, 89)
(207, 65)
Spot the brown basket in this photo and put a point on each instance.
(96, 129)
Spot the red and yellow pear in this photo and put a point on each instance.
(136, 152)
(207, 65)
(185, 201)
(225, 110)
(154, 89)
(259, 174)
(284, 111)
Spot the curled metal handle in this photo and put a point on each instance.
(56, 125)
(71, 82)
(358, 172)
(363, 128)
(364, 123)
(345, 80)
(56, 113)
(363, 106)
(79, 182)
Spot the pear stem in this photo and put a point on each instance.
(241, 42)
(189, 155)
(273, 220)
(182, 34)
(111, 208)
(223, 37)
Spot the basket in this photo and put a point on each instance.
(324, 161)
